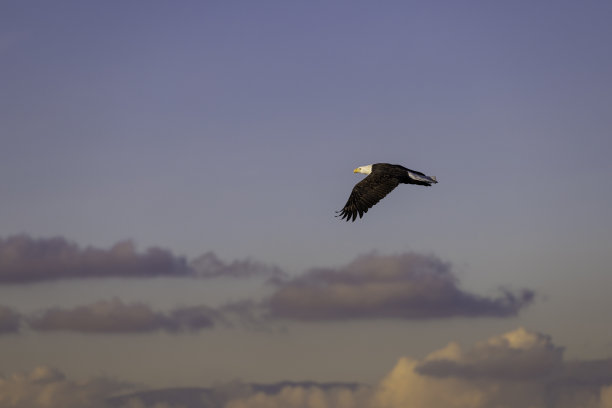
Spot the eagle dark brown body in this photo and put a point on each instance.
(381, 180)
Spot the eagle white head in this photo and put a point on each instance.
(363, 169)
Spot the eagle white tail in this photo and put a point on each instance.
(422, 177)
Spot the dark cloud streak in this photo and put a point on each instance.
(115, 316)
(209, 265)
(24, 259)
(405, 286)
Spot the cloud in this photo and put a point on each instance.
(167, 398)
(516, 355)
(48, 387)
(405, 286)
(304, 397)
(24, 259)
(114, 316)
(236, 394)
(606, 397)
(209, 265)
(516, 369)
(9, 320)
(250, 315)
(493, 373)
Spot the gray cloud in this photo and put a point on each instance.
(24, 259)
(405, 286)
(250, 315)
(9, 320)
(209, 265)
(114, 316)
(194, 318)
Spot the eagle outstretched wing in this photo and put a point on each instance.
(366, 193)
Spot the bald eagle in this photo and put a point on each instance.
(381, 180)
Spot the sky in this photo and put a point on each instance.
(169, 173)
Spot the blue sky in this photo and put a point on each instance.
(234, 128)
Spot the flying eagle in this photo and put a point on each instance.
(381, 180)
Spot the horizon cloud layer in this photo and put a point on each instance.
(517, 369)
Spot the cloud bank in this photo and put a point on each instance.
(514, 370)
(24, 259)
(405, 286)
(115, 316)
(517, 369)
(373, 286)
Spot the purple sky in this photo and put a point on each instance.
(232, 128)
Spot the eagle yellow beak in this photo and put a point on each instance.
(356, 170)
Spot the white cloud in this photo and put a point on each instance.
(493, 373)
(304, 397)
(515, 355)
(49, 388)
(519, 369)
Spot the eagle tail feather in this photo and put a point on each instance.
(422, 177)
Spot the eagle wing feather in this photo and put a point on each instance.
(366, 194)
